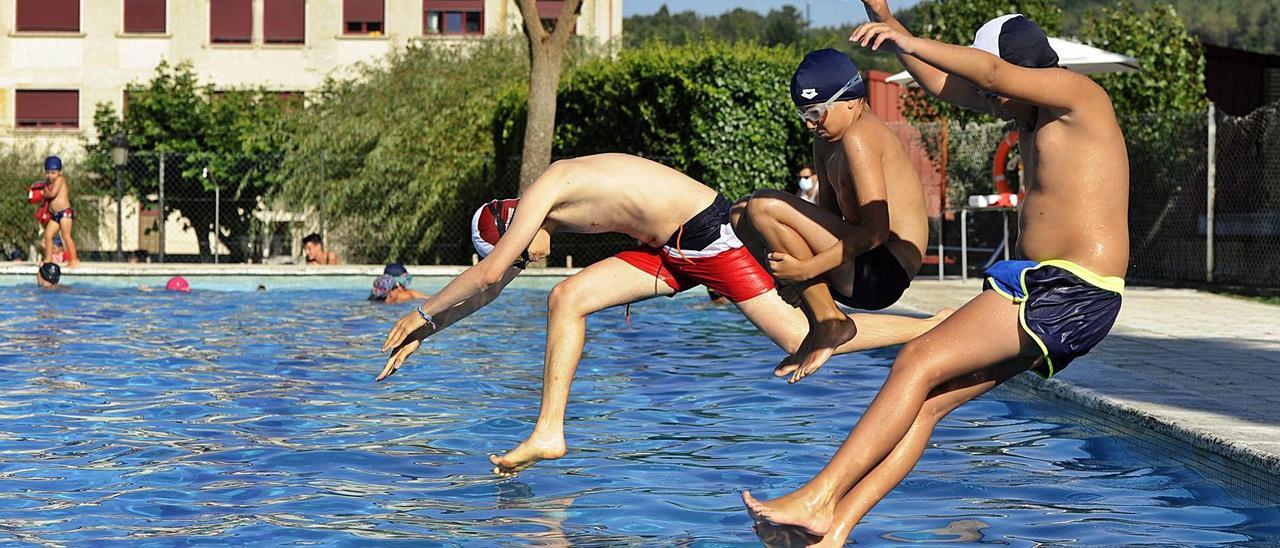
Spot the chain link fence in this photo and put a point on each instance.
(1204, 198)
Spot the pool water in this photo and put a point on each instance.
(252, 418)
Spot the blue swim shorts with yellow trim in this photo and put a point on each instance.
(1062, 306)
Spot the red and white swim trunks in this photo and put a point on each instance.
(705, 251)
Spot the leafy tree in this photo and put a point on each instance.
(546, 60)
(1243, 24)
(397, 157)
(237, 135)
(1171, 78)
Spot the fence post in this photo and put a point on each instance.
(217, 218)
(163, 217)
(1211, 192)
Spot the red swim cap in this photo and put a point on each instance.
(177, 283)
(485, 230)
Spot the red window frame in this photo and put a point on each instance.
(145, 16)
(443, 10)
(47, 16)
(364, 17)
(230, 21)
(284, 21)
(47, 108)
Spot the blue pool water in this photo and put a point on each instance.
(252, 418)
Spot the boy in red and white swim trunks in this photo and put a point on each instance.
(686, 240)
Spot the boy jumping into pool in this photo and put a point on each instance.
(864, 240)
(686, 240)
(58, 196)
(1037, 314)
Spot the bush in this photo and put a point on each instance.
(720, 113)
(400, 155)
(20, 167)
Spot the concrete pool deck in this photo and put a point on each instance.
(1196, 374)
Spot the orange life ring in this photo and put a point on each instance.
(1000, 165)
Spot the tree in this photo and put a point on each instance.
(1171, 77)
(546, 59)
(237, 135)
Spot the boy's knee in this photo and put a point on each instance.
(562, 297)
(915, 365)
(762, 205)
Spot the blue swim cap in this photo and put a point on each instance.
(1017, 40)
(53, 163)
(395, 269)
(821, 74)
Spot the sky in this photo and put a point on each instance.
(824, 12)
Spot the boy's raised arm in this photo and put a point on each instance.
(1061, 89)
(935, 82)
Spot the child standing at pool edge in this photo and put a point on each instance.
(58, 196)
(1033, 315)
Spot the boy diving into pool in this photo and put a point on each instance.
(686, 240)
(1036, 314)
(864, 240)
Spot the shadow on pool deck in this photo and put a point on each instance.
(1189, 366)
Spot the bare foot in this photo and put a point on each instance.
(789, 510)
(826, 337)
(792, 361)
(526, 454)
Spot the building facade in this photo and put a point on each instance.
(60, 58)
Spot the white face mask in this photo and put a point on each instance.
(806, 183)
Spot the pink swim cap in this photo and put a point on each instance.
(177, 283)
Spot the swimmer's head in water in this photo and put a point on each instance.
(399, 273)
(179, 284)
(382, 286)
(489, 224)
(49, 274)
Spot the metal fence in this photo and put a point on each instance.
(1204, 200)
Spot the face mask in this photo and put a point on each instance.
(806, 183)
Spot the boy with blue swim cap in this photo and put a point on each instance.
(1036, 314)
(863, 241)
(57, 196)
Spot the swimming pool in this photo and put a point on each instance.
(251, 417)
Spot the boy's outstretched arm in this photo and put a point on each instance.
(445, 319)
(1060, 89)
(935, 82)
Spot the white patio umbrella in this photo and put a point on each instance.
(1073, 55)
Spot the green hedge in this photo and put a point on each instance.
(720, 113)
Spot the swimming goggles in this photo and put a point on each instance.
(495, 209)
(815, 113)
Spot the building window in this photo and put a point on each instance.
(453, 17)
(549, 12)
(47, 109)
(144, 16)
(48, 16)
(284, 21)
(231, 21)
(362, 17)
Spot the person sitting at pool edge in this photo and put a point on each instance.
(313, 246)
(864, 241)
(686, 240)
(1036, 314)
(392, 286)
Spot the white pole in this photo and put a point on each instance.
(163, 216)
(1211, 194)
(217, 217)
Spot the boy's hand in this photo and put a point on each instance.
(880, 35)
(877, 10)
(788, 268)
(397, 359)
(408, 324)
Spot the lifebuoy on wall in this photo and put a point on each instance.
(1000, 165)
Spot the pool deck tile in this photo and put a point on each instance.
(1196, 367)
